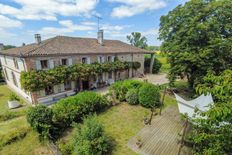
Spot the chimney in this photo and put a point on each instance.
(37, 38)
(100, 37)
(1, 46)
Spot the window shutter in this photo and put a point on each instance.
(70, 61)
(88, 61)
(112, 58)
(98, 59)
(103, 59)
(38, 65)
(62, 87)
(51, 64)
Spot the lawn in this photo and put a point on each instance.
(122, 122)
(13, 123)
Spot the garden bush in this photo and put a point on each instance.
(91, 139)
(121, 88)
(40, 119)
(132, 96)
(149, 95)
(14, 97)
(73, 109)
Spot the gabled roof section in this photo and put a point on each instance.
(62, 45)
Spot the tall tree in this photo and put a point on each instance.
(136, 39)
(198, 38)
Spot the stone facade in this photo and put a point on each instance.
(62, 90)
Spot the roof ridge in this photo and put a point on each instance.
(41, 46)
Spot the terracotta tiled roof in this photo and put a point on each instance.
(62, 45)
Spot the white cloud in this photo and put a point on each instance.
(130, 8)
(49, 9)
(67, 27)
(9, 23)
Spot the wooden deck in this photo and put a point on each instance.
(161, 137)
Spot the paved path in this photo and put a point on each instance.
(156, 78)
(161, 137)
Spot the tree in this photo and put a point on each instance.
(91, 139)
(198, 38)
(137, 40)
(212, 134)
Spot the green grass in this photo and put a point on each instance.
(122, 122)
(13, 123)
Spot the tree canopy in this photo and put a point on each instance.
(212, 133)
(136, 39)
(198, 38)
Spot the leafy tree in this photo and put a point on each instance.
(153, 48)
(213, 133)
(40, 119)
(91, 139)
(198, 38)
(137, 40)
(6, 47)
(156, 65)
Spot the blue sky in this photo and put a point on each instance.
(21, 19)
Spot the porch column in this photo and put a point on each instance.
(152, 62)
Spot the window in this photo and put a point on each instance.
(44, 64)
(16, 63)
(109, 58)
(14, 79)
(64, 62)
(49, 90)
(67, 85)
(59, 88)
(100, 59)
(84, 60)
(6, 75)
(110, 75)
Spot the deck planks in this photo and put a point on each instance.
(161, 137)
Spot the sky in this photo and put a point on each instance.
(21, 19)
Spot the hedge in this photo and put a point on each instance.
(121, 88)
(75, 108)
(132, 96)
(149, 95)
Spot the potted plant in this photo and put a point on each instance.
(13, 101)
(138, 142)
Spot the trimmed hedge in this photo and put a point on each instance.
(75, 108)
(149, 95)
(132, 96)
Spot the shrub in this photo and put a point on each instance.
(121, 88)
(66, 148)
(156, 66)
(132, 96)
(91, 138)
(14, 97)
(149, 95)
(73, 109)
(40, 119)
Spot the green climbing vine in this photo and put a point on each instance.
(37, 80)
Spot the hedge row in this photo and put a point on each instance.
(136, 92)
(51, 122)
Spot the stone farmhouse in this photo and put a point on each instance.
(62, 50)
